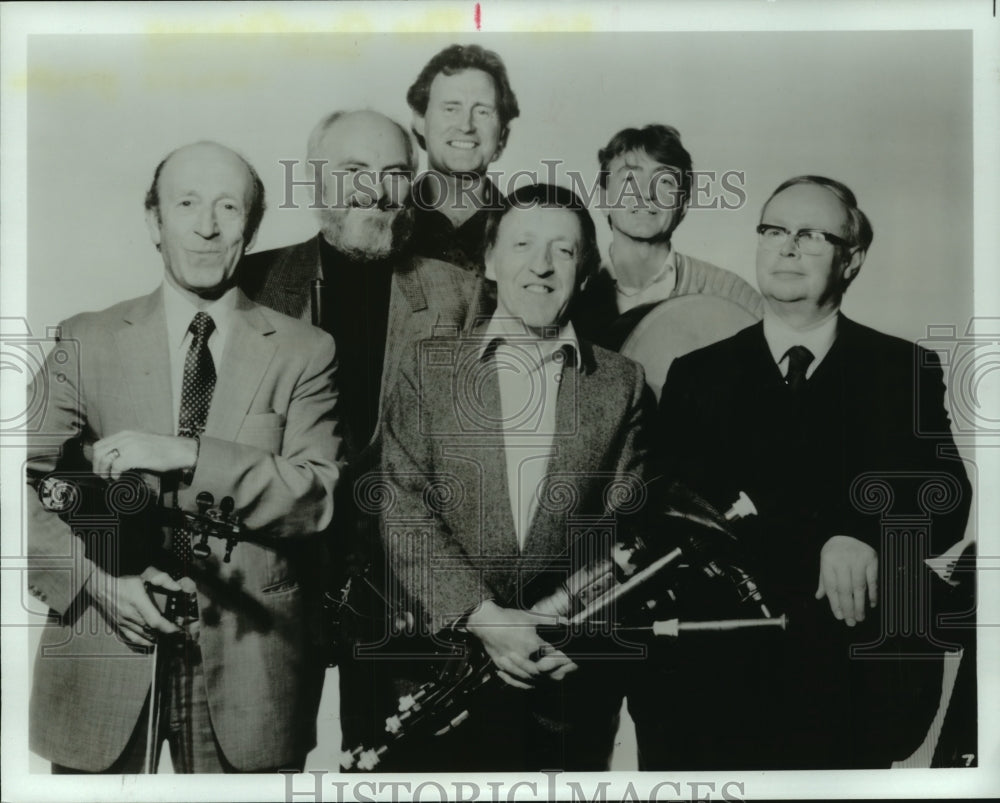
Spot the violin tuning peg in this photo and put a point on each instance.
(227, 505)
(204, 500)
(201, 550)
(230, 543)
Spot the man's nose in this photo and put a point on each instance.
(206, 224)
(541, 264)
(395, 189)
(790, 247)
(380, 187)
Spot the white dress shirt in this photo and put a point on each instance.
(180, 311)
(781, 337)
(658, 290)
(529, 370)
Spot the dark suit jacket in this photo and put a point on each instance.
(864, 451)
(271, 443)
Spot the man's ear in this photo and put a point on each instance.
(491, 272)
(853, 265)
(248, 244)
(501, 144)
(153, 224)
(419, 125)
(679, 215)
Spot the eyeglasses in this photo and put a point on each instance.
(809, 241)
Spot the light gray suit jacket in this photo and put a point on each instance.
(270, 442)
(447, 522)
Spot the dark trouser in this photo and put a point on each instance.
(776, 700)
(568, 725)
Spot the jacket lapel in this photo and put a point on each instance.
(496, 527)
(249, 351)
(763, 364)
(407, 309)
(571, 460)
(142, 344)
(292, 278)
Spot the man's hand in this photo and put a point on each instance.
(125, 603)
(141, 450)
(509, 638)
(847, 569)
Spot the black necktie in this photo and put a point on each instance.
(799, 358)
(196, 397)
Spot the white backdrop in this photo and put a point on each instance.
(901, 116)
(869, 108)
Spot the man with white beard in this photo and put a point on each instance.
(377, 299)
(375, 296)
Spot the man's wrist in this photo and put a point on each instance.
(194, 445)
(95, 584)
(476, 615)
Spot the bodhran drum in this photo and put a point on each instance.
(678, 326)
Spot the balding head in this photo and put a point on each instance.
(369, 122)
(200, 212)
(255, 203)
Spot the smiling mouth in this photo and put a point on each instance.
(540, 289)
(463, 144)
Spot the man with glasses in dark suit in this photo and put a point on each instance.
(816, 418)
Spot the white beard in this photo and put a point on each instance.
(365, 234)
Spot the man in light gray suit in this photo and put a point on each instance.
(501, 450)
(209, 392)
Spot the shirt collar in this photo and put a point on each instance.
(502, 329)
(780, 337)
(667, 269)
(180, 311)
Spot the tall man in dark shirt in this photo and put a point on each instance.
(462, 107)
(377, 300)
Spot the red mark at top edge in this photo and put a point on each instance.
(478, 16)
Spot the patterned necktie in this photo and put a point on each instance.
(196, 397)
(799, 359)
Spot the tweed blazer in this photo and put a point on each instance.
(448, 529)
(427, 297)
(271, 443)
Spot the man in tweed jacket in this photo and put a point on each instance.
(500, 450)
